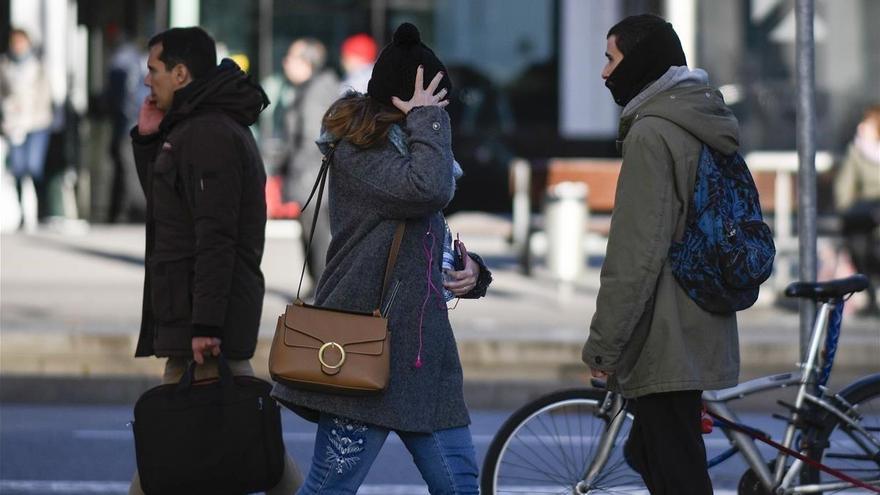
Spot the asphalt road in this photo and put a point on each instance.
(89, 449)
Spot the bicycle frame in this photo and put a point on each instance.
(780, 480)
(613, 407)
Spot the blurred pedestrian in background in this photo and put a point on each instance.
(204, 179)
(26, 113)
(123, 96)
(393, 163)
(648, 338)
(357, 56)
(857, 197)
(315, 87)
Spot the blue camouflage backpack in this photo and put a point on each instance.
(727, 250)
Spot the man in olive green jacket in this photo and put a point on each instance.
(647, 337)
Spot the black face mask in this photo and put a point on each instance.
(649, 59)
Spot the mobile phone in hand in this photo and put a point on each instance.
(460, 253)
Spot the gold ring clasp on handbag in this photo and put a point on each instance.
(321, 355)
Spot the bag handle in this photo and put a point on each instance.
(189, 376)
(395, 243)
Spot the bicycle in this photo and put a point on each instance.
(571, 441)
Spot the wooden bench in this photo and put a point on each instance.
(774, 173)
(600, 175)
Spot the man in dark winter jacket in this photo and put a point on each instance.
(204, 182)
(648, 338)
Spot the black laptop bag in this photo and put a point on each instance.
(216, 436)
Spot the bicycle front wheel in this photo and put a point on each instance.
(547, 446)
(852, 449)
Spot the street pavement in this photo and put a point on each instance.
(88, 449)
(70, 307)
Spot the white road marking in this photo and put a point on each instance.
(34, 486)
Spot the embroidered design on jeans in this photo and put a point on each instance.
(346, 440)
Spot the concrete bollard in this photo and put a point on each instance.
(565, 222)
(521, 177)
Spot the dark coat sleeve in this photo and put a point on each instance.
(642, 225)
(145, 150)
(415, 185)
(214, 188)
(483, 280)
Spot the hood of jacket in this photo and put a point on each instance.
(684, 97)
(226, 89)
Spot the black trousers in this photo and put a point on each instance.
(118, 192)
(665, 445)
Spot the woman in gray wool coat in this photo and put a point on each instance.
(393, 162)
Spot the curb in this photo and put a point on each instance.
(498, 374)
(503, 395)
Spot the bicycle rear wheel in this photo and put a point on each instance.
(846, 449)
(547, 445)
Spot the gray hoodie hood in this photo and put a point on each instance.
(684, 97)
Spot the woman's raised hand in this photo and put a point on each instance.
(423, 97)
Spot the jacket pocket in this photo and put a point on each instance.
(172, 292)
(168, 191)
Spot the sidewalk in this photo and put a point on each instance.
(70, 310)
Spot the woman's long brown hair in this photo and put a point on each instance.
(361, 120)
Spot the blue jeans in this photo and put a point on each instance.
(29, 157)
(345, 450)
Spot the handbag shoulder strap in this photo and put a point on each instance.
(395, 243)
(392, 260)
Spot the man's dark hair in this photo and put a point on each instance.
(190, 46)
(633, 29)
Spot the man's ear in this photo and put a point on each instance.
(180, 75)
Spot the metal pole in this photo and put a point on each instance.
(806, 143)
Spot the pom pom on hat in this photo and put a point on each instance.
(407, 34)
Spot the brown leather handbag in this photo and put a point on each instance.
(330, 350)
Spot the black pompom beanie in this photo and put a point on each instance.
(649, 59)
(394, 73)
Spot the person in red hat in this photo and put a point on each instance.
(357, 56)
